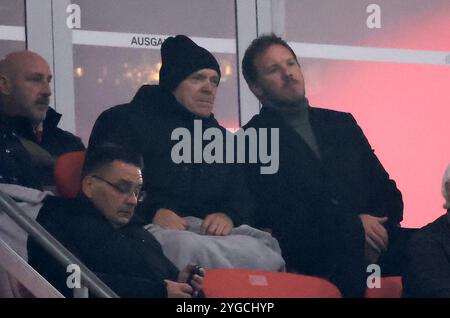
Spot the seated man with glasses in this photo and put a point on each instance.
(98, 227)
(124, 188)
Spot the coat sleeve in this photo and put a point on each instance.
(53, 221)
(385, 199)
(40, 259)
(134, 287)
(71, 142)
(239, 204)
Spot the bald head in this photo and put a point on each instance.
(25, 86)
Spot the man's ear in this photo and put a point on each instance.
(87, 186)
(256, 90)
(447, 189)
(5, 85)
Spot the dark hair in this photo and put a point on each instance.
(101, 155)
(258, 46)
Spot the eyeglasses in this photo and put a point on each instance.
(124, 190)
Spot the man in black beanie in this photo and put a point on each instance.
(180, 58)
(189, 77)
(215, 193)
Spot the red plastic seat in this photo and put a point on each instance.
(67, 173)
(390, 287)
(247, 283)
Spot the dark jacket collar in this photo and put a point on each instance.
(23, 127)
(86, 207)
(52, 119)
(150, 97)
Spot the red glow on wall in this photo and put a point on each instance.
(404, 110)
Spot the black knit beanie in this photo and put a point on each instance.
(180, 58)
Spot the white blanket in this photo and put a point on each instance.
(245, 247)
(30, 201)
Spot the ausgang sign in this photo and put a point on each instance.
(147, 41)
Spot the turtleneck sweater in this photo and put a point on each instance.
(296, 116)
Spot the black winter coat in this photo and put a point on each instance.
(17, 164)
(427, 271)
(15, 161)
(189, 189)
(312, 205)
(129, 259)
(55, 140)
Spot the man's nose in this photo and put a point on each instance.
(46, 89)
(132, 199)
(209, 87)
(286, 73)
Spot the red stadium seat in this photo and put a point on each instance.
(67, 173)
(247, 283)
(390, 287)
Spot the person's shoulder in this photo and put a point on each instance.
(116, 111)
(441, 223)
(59, 202)
(330, 113)
(70, 138)
(55, 208)
(343, 120)
(254, 122)
(146, 96)
(149, 94)
(115, 117)
(433, 231)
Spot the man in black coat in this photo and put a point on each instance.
(25, 117)
(215, 192)
(427, 272)
(97, 228)
(331, 204)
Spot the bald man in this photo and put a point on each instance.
(30, 138)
